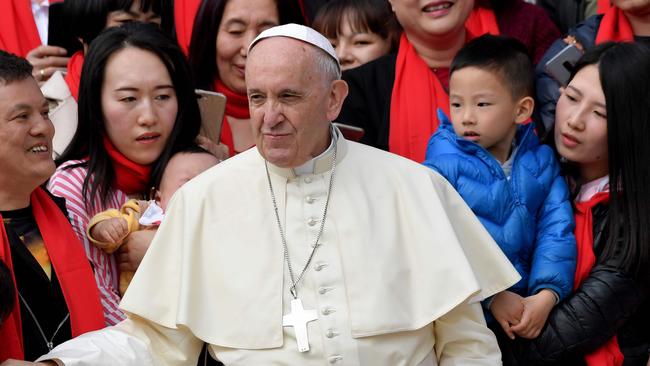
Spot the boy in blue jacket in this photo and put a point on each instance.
(491, 155)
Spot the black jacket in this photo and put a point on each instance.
(609, 302)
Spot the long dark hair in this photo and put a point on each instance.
(203, 45)
(87, 141)
(624, 70)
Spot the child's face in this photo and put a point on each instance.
(181, 168)
(355, 48)
(483, 110)
(581, 123)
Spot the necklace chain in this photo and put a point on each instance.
(294, 282)
(49, 343)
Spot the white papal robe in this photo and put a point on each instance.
(401, 265)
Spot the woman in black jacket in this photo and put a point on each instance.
(603, 133)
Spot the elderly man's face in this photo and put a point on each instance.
(290, 101)
(25, 135)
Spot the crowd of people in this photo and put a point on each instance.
(396, 182)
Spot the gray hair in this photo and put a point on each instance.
(327, 67)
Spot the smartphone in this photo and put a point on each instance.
(561, 65)
(351, 133)
(213, 107)
(59, 32)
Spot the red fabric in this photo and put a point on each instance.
(614, 27)
(72, 268)
(482, 20)
(184, 14)
(608, 354)
(603, 5)
(11, 335)
(417, 93)
(73, 76)
(237, 107)
(18, 32)
(130, 177)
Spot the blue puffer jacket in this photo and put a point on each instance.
(528, 215)
(547, 89)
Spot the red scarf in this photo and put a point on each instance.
(72, 268)
(237, 107)
(608, 354)
(614, 27)
(184, 13)
(130, 177)
(73, 76)
(417, 93)
(18, 32)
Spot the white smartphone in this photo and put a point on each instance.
(352, 133)
(213, 107)
(561, 65)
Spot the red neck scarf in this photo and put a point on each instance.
(614, 27)
(73, 76)
(130, 177)
(417, 93)
(18, 32)
(72, 269)
(608, 354)
(237, 107)
(184, 13)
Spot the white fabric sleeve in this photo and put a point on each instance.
(463, 338)
(132, 342)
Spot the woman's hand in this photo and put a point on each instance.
(536, 310)
(507, 308)
(134, 248)
(46, 60)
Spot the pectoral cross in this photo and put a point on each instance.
(298, 319)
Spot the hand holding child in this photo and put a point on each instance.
(536, 310)
(109, 231)
(507, 308)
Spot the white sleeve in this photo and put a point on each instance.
(132, 342)
(463, 338)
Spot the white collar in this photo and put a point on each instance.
(320, 164)
(308, 167)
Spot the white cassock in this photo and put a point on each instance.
(396, 280)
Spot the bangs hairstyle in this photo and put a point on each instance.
(373, 16)
(624, 70)
(504, 56)
(203, 45)
(88, 139)
(13, 68)
(89, 16)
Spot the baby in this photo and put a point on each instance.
(107, 230)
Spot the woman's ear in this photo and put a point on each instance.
(525, 108)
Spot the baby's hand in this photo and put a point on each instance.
(112, 231)
(507, 308)
(536, 310)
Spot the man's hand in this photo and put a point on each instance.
(536, 310)
(46, 60)
(507, 308)
(112, 231)
(131, 253)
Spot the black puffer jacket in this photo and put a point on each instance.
(608, 303)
